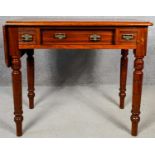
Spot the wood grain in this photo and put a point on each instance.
(80, 37)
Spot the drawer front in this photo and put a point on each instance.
(28, 36)
(77, 37)
(126, 36)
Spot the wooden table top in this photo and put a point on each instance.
(78, 22)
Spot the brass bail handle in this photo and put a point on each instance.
(27, 37)
(60, 36)
(128, 37)
(95, 37)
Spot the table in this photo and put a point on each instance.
(22, 37)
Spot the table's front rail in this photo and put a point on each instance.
(77, 37)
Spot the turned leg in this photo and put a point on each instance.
(30, 77)
(123, 76)
(17, 93)
(137, 91)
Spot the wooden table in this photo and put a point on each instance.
(22, 37)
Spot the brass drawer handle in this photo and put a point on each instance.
(128, 37)
(27, 37)
(60, 36)
(95, 37)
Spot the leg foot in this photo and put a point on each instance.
(18, 120)
(135, 119)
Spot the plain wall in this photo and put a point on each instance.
(78, 67)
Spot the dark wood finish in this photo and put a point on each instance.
(123, 76)
(30, 77)
(22, 37)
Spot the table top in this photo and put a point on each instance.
(77, 22)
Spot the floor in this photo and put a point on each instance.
(77, 112)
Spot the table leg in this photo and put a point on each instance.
(137, 91)
(30, 77)
(123, 76)
(17, 93)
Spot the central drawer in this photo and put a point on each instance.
(77, 37)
